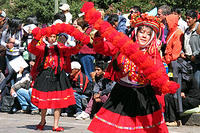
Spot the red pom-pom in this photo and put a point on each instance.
(58, 27)
(87, 6)
(77, 34)
(104, 26)
(173, 87)
(85, 39)
(98, 23)
(62, 27)
(35, 32)
(69, 29)
(48, 31)
(94, 17)
(54, 30)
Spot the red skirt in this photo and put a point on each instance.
(52, 91)
(129, 110)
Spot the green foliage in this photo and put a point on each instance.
(75, 7)
(43, 9)
(104, 4)
(184, 4)
(125, 5)
(2, 2)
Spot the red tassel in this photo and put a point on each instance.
(87, 6)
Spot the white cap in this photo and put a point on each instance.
(3, 14)
(75, 65)
(81, 14)
(29, 27)
(64, 7)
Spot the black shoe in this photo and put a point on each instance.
(13, 110)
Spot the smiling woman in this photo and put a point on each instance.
(143, 36)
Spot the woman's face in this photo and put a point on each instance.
(190, 21)
(52, 39)
(144, 35)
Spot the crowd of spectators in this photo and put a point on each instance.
(179, 47)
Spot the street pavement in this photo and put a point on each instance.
(25, 123)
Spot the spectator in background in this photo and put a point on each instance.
(59, 18)
(81, 86)
(2, 59)
(63, 37)
(3, 22)
(67, 40)
(11, 39)
(14, 31)
(181, 23)
(163, 11)
(174, 39)
(133, 10)
(173, 49)
(31, 23)
(23, 90)
(118, 22)
(190, 99)
(191, 48)
(3, 26)
(101, 91)
(65, 9)
(86, 54)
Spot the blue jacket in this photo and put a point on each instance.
(121, 24)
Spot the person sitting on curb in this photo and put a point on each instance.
(101, 91)
(21, 89)
(81, 86)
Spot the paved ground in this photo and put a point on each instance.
(25, 123)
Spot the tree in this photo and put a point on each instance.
(2, 2)
(75, 6)
(125, 5)
(104, 4)
(184, 4)
(42, 9)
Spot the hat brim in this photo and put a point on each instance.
(63, 8)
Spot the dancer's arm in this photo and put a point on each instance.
(104, 47)
(34, 48)
(153, 71)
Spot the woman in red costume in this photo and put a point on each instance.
(138, 69)
(51, 87)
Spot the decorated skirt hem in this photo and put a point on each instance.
(56, 99)
(106, 121)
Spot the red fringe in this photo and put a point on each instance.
(160, 79)
(61, 28)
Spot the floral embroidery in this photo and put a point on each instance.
(128, 67)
